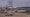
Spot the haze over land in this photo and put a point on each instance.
(15, 3)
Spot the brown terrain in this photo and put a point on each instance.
(14, 14)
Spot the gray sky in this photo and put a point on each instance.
(21, 3)
(16, 3)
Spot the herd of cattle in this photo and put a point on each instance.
(14, 10)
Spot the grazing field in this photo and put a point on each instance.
(15, 14)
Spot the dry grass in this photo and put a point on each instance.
(15, 15)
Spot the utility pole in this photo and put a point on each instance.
(27, 4)
(10, 3)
